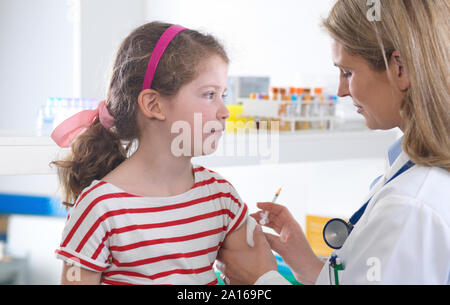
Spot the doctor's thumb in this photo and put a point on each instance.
(259, 236)
(274, 242)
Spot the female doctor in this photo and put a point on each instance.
(395, 66)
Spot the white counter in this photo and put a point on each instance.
(22, 154)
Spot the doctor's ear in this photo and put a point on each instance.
(149, 102)
(399, 72)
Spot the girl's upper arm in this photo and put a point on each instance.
(237, 239)
(75, 275)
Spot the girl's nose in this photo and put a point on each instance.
(223, 113)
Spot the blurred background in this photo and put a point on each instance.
(55, 59)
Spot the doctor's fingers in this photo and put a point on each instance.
(276, 244)
(271, 207)
(278, 218)
(226, 257)
(271, 221)
(276, 209)
(230, 273)
(261, 243)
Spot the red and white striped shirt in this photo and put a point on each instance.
(149, 240)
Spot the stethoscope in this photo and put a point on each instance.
(336, 231)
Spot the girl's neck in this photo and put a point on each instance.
(162, 164)
(153, 172)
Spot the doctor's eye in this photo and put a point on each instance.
(346, 74)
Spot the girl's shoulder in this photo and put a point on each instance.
(95, 189)
(96, 195)
(211, 182)
(205, 176)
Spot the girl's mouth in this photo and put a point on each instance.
(216, 131)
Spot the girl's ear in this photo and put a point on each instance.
(399, 71)
(149, 102)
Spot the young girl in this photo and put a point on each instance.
(152, 217)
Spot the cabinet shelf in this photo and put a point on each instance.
(30, 155)
(308, 146)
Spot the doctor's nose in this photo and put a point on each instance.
(343, 89)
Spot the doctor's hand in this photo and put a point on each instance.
(245, 266)
(290, 243)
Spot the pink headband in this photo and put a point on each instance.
(157, 53)
(68, 130)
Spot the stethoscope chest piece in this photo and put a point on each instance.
(336, 232)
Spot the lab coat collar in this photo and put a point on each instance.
(394, 151)
(396, 159)
(397, 165)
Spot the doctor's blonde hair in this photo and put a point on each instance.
(419, 31)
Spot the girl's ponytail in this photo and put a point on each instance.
(94, 153)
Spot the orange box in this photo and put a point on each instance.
(314, 234)
(3, 224)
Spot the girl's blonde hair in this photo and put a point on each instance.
(98, 151)
(419, 31)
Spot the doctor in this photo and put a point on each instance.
(394, 63)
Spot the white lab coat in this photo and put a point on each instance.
(403, 236)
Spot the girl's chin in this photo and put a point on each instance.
(210, 147)
(210, 143)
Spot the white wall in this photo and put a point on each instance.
(35, 58)
(281, 39)
(38, 48)
(104, 24)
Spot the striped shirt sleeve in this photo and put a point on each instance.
(238, 208)
(83, 240)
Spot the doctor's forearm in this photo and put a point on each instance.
(310, 272)
(301, 259)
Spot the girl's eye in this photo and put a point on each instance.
(210, 95)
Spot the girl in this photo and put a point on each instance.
(152, 217)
